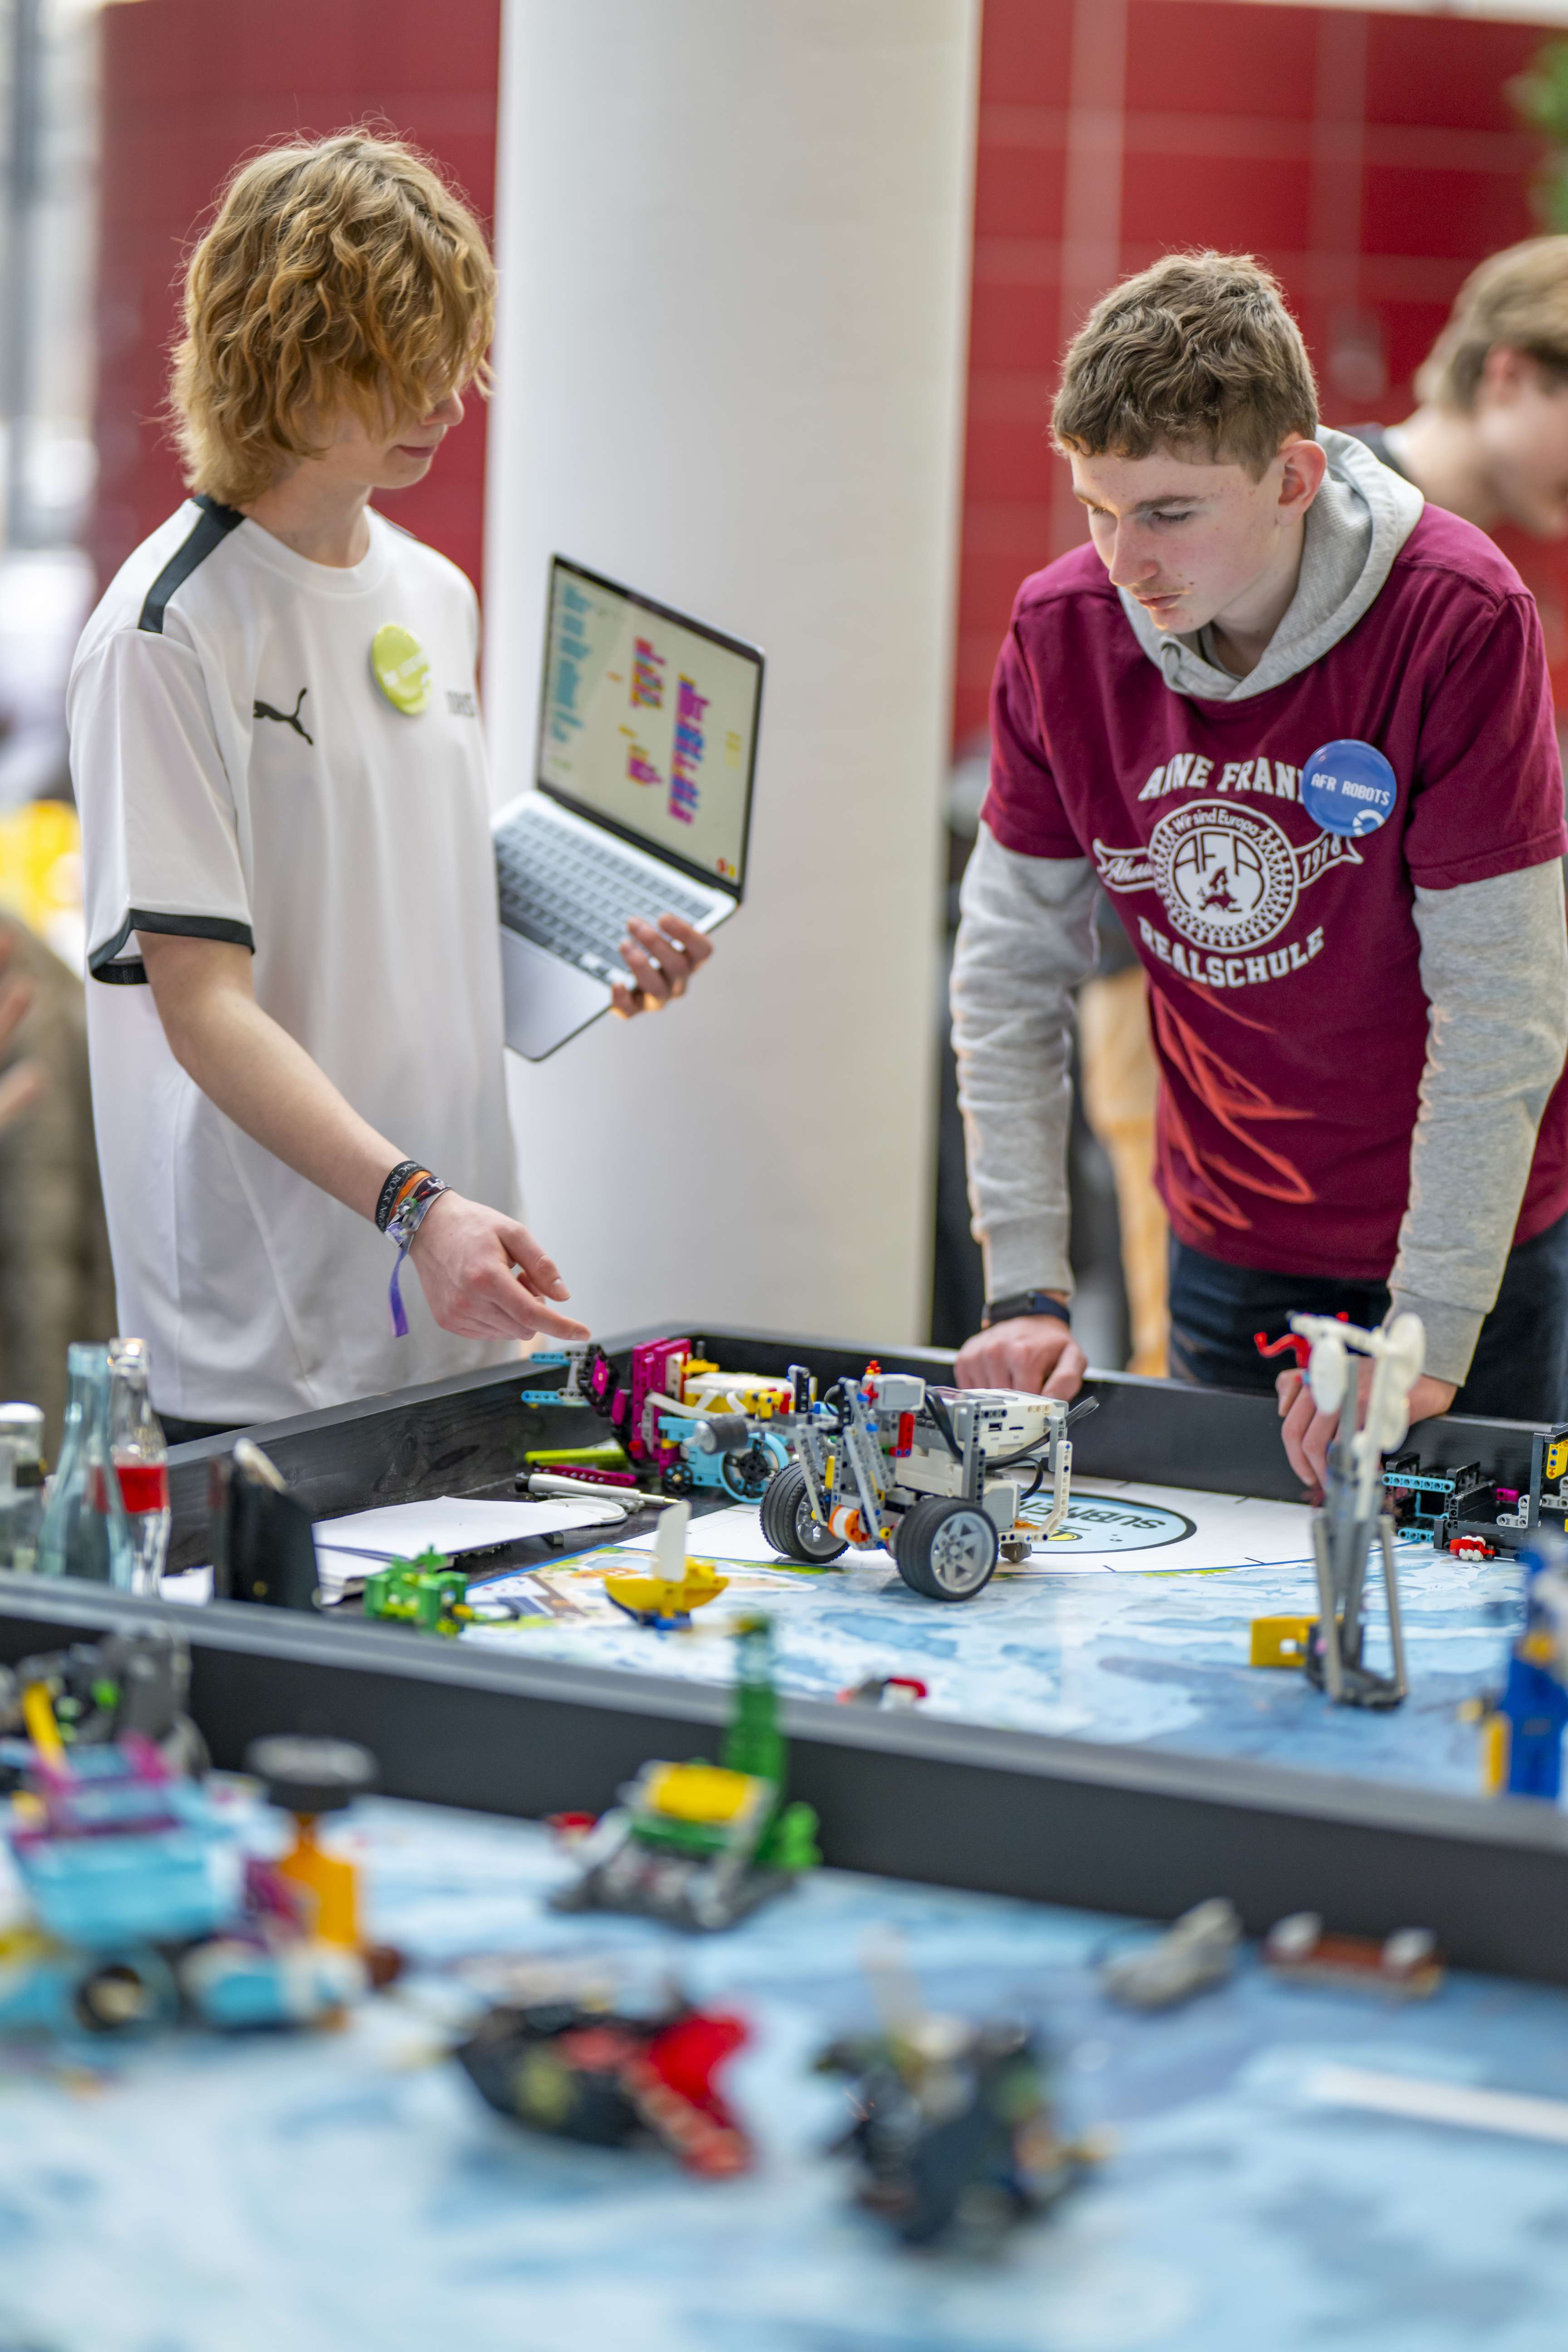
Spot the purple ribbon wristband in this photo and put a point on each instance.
(401, 1229)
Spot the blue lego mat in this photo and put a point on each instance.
(1134, 1629)
(323, 2192)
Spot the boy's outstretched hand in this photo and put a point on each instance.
(1309, 1434)
(661, 958)
(485, 1276)
(1036, 1353)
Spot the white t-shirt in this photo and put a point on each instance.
(241, 776)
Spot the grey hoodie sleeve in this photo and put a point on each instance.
(1494, 970)
(1026, 939)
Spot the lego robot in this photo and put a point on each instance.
(937, 1474)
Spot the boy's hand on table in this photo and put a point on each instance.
(485, 1276)
(1036, 1353)
(661, 958)
(1308, 1433)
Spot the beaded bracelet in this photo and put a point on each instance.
(392, 1190)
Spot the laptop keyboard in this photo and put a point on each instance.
(573, 895)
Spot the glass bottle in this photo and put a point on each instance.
(85, 1531)
(21, 1487)
(140, 1460)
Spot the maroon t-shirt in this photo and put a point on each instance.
(1285, 987)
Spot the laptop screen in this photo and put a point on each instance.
(648, 722)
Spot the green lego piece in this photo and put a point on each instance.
(791, 1843)
(426, 1593)
(609, 1455)
(753, 1742)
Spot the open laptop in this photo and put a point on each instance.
(648, 742)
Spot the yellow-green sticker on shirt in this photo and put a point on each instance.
(400, 668)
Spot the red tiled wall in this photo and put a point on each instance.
(1224, 107)
(191, 86)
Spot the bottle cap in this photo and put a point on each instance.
(312, 1776)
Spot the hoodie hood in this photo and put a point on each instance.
(1355, 527)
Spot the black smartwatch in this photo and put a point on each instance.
(1025, 1302)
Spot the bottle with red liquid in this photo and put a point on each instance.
(140, 1461)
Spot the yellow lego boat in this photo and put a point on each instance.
(673, 1585)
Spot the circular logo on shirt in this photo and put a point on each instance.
(1349, 788)
(1227, 876)
(400, 668)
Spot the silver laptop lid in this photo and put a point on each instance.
(648, 724)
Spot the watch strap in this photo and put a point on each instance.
(1025, 1302)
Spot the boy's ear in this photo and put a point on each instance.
(1304, 464)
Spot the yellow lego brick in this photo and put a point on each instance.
(1556, 1461)
(1494, 1753)
(699, 1792)
(1280, 1641)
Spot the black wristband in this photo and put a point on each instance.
(387, 1199)
(1025, 1302)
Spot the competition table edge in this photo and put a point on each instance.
(1087, 1824)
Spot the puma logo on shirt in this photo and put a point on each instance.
(285, 717)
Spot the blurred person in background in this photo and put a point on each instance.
(54, 1279)
(1490, 441)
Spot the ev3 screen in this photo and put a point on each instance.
(648, 722)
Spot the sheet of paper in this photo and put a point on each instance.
(454, 1525)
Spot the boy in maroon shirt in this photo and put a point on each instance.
(1299, 722)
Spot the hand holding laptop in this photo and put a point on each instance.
(661, 962)
(632, 846)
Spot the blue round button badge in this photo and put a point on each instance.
(1349, 788)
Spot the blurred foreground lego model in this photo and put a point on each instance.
(890, 1459)
(700, 1844)
(1199, 1950)
(147, 1910)
(954, 2125)
(584, 2073)
(1405, 1966)
(98, 1692)
(1374, 1415)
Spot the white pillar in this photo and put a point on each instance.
(734, 243)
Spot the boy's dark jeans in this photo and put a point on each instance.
(1519, 1372)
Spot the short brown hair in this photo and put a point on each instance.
(1518, 299)
(1198, 351)
(342, 272)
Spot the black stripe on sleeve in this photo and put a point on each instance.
(213, 528)
(133, 972)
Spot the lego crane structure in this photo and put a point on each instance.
(1374, 1415)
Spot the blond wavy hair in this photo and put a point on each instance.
(1518, 300)
(339, 275)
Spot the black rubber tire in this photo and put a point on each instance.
(788, 1525)
(946, 1548)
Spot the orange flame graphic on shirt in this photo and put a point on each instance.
(1238, 1106)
